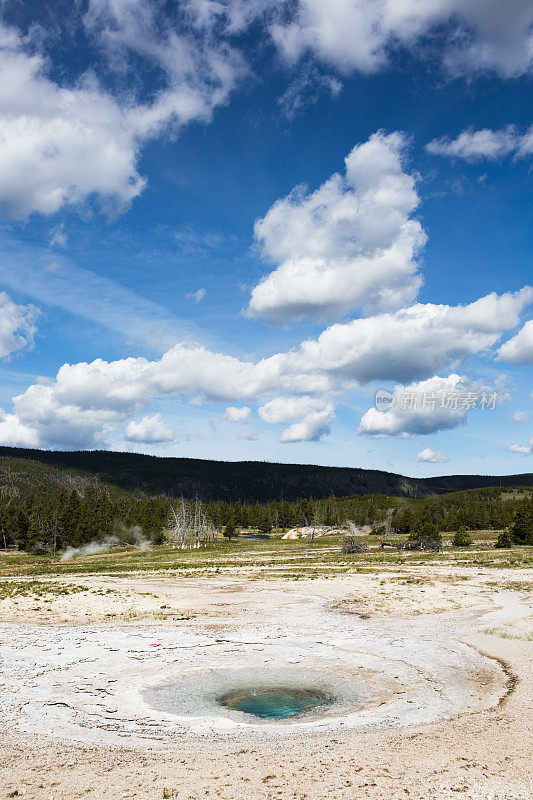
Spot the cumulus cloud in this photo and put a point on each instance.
(17, 326)
(347, 35)
(14, 433)
(198, 68)
(64, 143)
(149, 430)
(352, 243)
(519, 349)
(86, 400)
(520, 417)
(361, 34)
(287, 409)
(412, 343)
(472, 145)
(311, 428)
(424, 407)
(234, 414)
(59, 144)
(432, 456)
(315, 415)
(522, 449)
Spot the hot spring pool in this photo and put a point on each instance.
(228, 698)
(275, 702)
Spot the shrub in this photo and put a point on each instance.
(352, 544)
(504, 540)
(229, 530)
(425, 543)
(462, 538)
(158, 538)
(40, 549)
(427, 538)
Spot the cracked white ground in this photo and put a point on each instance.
(74, 679)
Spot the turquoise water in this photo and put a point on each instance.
(276, 702)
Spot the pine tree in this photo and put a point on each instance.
(522, 528)
(504, 540)
(229, 530)
(462, 538)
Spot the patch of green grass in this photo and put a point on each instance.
(517, 586)
(37, 589)
(525, 637)
(267, 558)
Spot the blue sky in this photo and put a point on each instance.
(224, 226)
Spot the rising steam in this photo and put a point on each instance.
(125, 536)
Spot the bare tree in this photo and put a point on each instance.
(190, 527)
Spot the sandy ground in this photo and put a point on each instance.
(444, 653)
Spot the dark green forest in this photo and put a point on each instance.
(46, 509)
(247, 481)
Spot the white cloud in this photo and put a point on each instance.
(59, 144)
(315, 415)
(288, 409)
(249, 436)
(432, 456)
(54, 420)
(351, 243)
(233, 15)
(473, 145)
(62, 144)
(410, 344)
(197, 67)
(58, 237)
(361, 34)
(520, 417)
(522, 449)
(424, 407)
(149, 430)
(197, 296)
(493, 312)
(15, 433)
(86, 401)
(347, 35)
(234, 414)
(311, 428)
(305, 90)
(17, 326)
(519, 349)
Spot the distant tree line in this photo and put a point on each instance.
(51, 518)
(248, 481)
(521, 529)
(474, 509)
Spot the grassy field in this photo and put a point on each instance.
(273, 557)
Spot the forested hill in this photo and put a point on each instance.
(248, 481)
